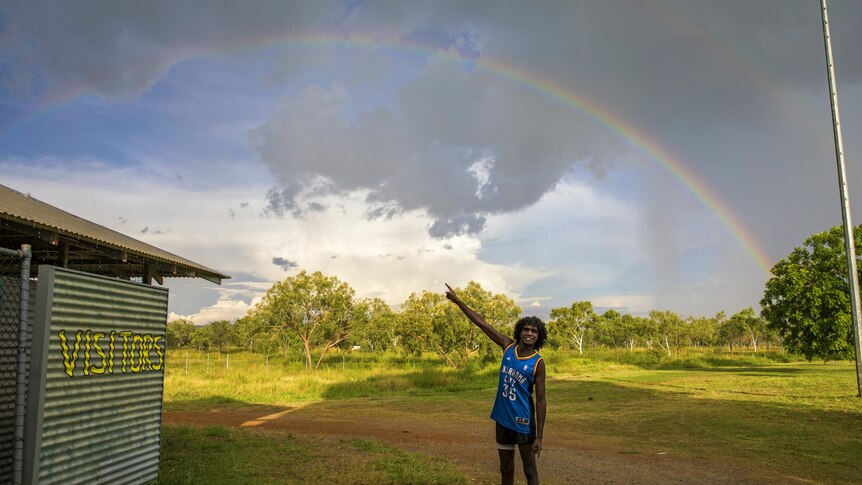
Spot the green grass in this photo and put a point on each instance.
(219, 455)
(764, 411)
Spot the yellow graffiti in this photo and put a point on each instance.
(159, 353)
(103, 359)
(87, 353)
(111, 354)
(69, 361)
(137, 352)
(125, 336)
(139, 341)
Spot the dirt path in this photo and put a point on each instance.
(468, 443)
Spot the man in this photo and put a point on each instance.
(520, 422)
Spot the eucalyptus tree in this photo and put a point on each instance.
(316, 308)
(221, 334)
(612, 330)
(731, 332)
(752, 327)
(670, 328)
(374, 325)
(428, 321)
(179, 333)
(571, 324)
(703, 331)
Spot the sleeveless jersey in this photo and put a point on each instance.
(513, 407)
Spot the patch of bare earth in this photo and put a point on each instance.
(468, 443)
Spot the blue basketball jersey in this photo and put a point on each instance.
(513, 407)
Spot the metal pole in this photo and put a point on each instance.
(20, 390)
(849, 240)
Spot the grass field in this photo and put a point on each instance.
(765, 412)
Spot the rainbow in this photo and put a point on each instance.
(637, 139)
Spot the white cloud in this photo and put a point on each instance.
(337, 240)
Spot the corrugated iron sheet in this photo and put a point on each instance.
(102, 423)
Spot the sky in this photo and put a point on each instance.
(636, 154)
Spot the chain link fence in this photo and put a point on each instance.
(14, 358)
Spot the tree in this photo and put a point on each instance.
(752, 326)
(430, 322)
(634, 328)
(807, 299)
(374, 326)
(221, 334)
(703, 330)
(179, 333)
(571, 324)
(318, 309)
(670, 328)
(612, 329)
(730, 332)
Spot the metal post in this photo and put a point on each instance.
(849, 240)
(20, 392)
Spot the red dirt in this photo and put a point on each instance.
(468, 443)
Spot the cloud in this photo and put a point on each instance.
(417, 156)
(229, 310)
(285, 264)
(117, 50)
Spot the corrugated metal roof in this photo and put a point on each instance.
(22, 208)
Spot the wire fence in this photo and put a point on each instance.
(14, 358)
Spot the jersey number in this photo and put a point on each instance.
(509, 389)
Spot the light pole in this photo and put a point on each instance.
(849, 240)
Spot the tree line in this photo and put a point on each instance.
(805, 309)
(313, 314)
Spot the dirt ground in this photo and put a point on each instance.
(468, 443)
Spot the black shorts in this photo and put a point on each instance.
(508, 438)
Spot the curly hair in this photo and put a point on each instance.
(534, 322)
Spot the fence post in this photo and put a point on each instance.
(227, 361)
(187, 361)
(20, 395)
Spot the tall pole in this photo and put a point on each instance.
(849, 240)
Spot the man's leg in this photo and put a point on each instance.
(529, 461)
(507, 466)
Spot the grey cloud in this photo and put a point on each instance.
(120, 49)
(419, 156)
(281, 201)
(284, 264)
(467, 224)
(385, 211)
(156, 231)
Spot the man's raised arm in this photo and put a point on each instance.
(492, 333)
